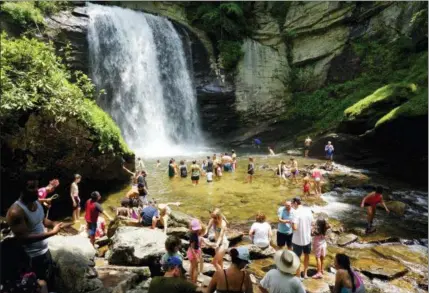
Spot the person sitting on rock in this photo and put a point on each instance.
(150, 215)
(136, 195)
(164, 213)
(346, 280)
(371, 200)
(261, 232)
(234, 279)
(172, 280)
(282, 279)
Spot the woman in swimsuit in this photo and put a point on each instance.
(234, 279)
(317, 177)
(218, 224)
(371, 201)
(346, 280)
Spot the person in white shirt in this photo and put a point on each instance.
(261, 232)
(140, 165)
(301, 239)
(282, 279)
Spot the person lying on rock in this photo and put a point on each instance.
(172, 280)
(27, 222)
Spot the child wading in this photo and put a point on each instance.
(250, 170)
(319, 245)
(194, 250)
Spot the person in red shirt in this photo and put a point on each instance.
(371, 201)
(92, 210)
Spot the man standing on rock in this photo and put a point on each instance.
(284, 229)
(301, 239)
(172, 281)
(307, 143)
(27, 222)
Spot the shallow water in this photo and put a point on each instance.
(238, 199)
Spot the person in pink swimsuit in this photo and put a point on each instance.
(317, 177)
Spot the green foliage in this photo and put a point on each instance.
(416, 106)
(390, 92)
(34, 79)
(226, 23)
(23, 13)
(230, 54)
(107, 132)
(51, 7)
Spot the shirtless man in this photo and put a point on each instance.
(307, 143)
(294, 169)
(27, 222)
(227, 163)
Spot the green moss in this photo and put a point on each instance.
(106, 131)
(230, 54)
(23, 13)
(390, 92)
(417, 106)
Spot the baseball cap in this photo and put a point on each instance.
(173, 261)
(243, 253)
(296, 199)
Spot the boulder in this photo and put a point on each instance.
(346, 239)
(320, 285)
(234, 235)
(396, 207)
(349, 180)
(180, 232)
(74, 243)
(74, 269)
(120, 222)
(381, 268)
(136, 246)
(179, 219)
(257, 253)
(404, 254)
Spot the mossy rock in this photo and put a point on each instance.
(380, 268)
(402, 253)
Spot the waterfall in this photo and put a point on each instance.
(139, 60)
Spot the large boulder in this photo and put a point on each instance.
(397, 207)
(346, 239)
(179, 219)
(74, 267)
(122, 279)
(120, 221)
(133, 246)
(258, 253)
(379, 268)
(181, 232)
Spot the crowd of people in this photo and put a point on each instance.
(297, 233)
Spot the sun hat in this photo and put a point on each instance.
(287, 261)
(243, 253)
(195, 225)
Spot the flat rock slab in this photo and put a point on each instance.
(346, 239)
(319, 285)
(384, 269)
(208, 268)
(404, 254)
(136, 246)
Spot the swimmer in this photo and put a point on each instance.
(204, 167)
(317, 177)
(195, 173)
(183, 169)
(271, 152)
(294, 169)
(281, 171)
(227, 163)
(370, 201)
(307, 143)
(250, 170)
(158, 164)
(171, 169)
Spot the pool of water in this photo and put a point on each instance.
(239, 200)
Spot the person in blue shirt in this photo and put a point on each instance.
(284, 229)
(257, 142)
(150, 215)
(329, 151)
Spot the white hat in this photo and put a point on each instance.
(287, 261)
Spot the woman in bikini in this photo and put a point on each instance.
(234, 279)
(219, 224)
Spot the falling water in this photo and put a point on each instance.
(138, 59)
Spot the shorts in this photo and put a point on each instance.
(227, 167)
(370, 205)
(317, 179)
(191, 256)
(42, 266)
(329, 157)
(295, 172)
(284, 239)
(251, 173)
(195, 178)
(92, 228)
(77, 200)
(298, 249)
